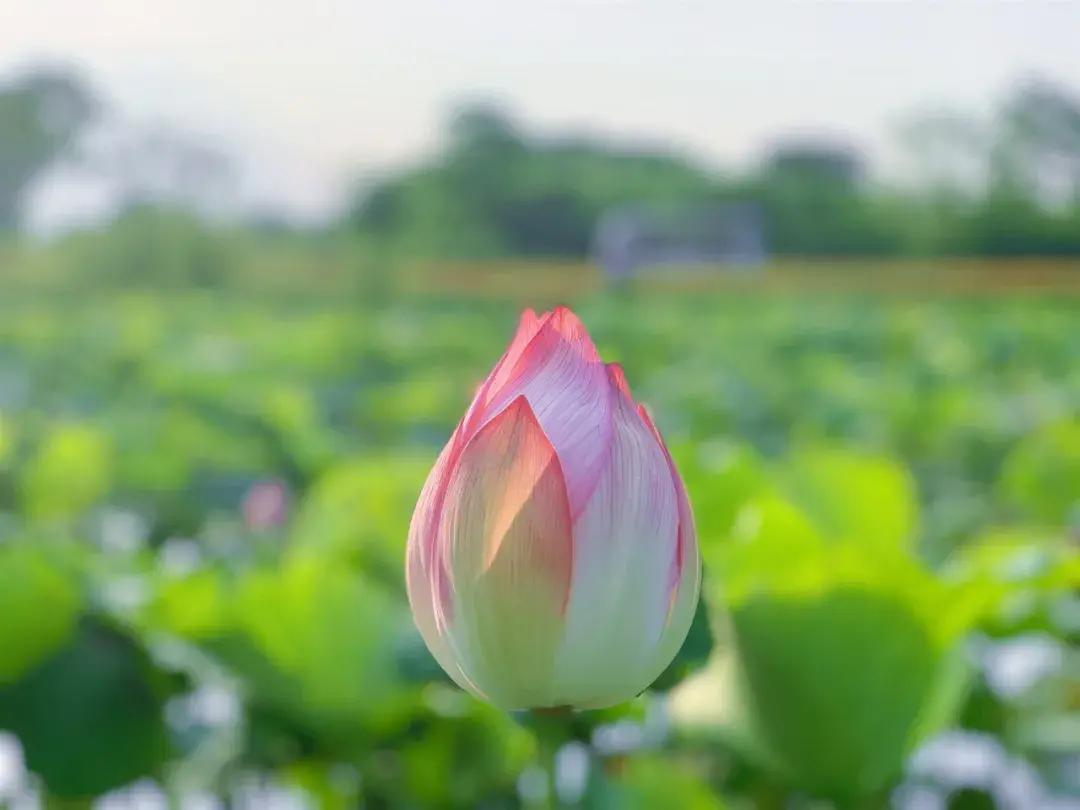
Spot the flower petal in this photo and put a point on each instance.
(506, 539)
(573, 331)
(428, 509)
(561, 375)
(528, 326)
(686, 552)
(685, 569)
(426, 581)
(617, 376)
(624, 542)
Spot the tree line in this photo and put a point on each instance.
(1005, 186)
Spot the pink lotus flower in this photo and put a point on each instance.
(552, 558)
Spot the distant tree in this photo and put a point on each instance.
(496, 190)
(484, 129)
(815, 203)
(40, 114)
(1031, 206)
(1006, 186)
(1039, 144)
(816, 163)
(947, 152)
(944, 178)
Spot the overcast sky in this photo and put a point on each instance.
(339, 85)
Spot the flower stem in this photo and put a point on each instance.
(551, 726)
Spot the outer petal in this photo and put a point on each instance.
(423, 530)
(428, 589)
(528, 326)
(506, 538)
(563, 378)
(685, 573)
(617, 376)
(625, 541)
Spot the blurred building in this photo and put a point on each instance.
(631, 239)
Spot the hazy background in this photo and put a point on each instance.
(254, 258)
(308, 98)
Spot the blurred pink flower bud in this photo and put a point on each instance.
(266, 505)
(552, 558)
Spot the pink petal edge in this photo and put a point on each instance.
(561, 375)
(517, 429)
(687, 532)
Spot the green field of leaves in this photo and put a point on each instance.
(205, 495)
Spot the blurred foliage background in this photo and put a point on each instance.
(212, 437)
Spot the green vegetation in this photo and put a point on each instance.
(972, 189)
(878, 481)
(40, 115)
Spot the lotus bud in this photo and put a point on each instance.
(552, 559)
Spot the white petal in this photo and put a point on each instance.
(624, 544)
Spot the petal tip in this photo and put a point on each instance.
(647, 418)
(571, 329)
(617, 377)
(519, 408)
(528, 322)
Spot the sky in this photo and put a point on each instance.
(329, 90)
